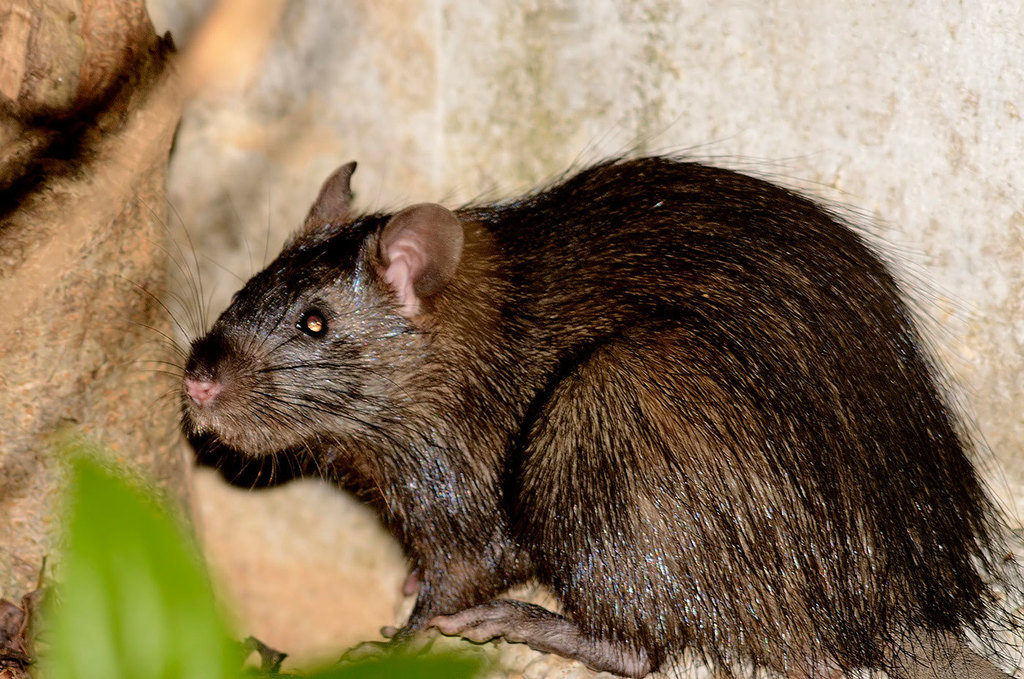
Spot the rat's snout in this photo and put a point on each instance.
(201, 391)
(203, 371)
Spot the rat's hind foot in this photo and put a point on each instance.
(544, 631)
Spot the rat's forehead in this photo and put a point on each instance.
(307, 267)
(297, 274)
(285, 281)
(339, 243)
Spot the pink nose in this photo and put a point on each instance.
(201, 391)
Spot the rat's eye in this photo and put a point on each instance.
(312, 323)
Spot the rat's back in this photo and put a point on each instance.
(743, 445)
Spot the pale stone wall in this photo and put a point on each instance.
(908, 112)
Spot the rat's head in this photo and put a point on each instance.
(324, 342)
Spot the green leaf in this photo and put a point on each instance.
(134, 601)
(400, 665)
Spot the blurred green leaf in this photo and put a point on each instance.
(133, 601)
(406, 666)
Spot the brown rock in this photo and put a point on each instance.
(81, 256)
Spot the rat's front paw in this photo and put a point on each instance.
(481, 623)
(368, 650)
(543, 631)
(399, 640)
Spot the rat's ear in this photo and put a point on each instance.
(331, 206)
(420, 248)
(335, 199)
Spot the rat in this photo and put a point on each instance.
(692, 403)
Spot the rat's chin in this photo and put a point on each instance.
(250, 441)
(248, 446)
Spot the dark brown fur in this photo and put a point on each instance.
(691, 402)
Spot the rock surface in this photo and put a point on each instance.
(83, 158)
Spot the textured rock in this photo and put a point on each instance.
(303, 569)
(81, 258)
(910, 114)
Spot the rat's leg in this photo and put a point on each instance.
(575, 516)
(448, 583)
(544, 631)
(620, 482)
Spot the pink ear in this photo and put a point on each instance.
(421, 247)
